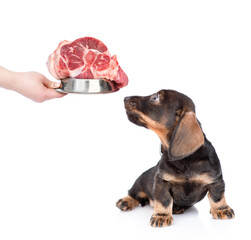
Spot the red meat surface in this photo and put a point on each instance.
(86, 58)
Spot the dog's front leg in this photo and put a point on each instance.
(219, 208)
(163, 204)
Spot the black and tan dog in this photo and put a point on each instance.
(189, 167)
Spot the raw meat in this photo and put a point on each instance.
(85, 58)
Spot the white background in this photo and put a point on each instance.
(64, 163)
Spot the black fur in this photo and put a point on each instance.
(176, 181)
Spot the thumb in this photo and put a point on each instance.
(50, 84)
(50, 94)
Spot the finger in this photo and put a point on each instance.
(49, 84)
(51, 93)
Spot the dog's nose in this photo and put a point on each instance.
(126, 99)
(130, 102)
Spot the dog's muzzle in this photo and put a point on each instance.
(130, 103)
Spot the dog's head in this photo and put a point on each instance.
(171, 115)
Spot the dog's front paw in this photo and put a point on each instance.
(127, 203)
(222, 213)
(161, 220)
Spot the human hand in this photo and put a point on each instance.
(35, 86)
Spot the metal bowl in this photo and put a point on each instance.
(87, 86)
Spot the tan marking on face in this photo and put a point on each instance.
(204, 178)
(157, 127)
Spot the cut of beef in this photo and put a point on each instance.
(85, 58)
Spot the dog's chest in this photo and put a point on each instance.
(187, 186)
(199, 172)
(186, 192)
(198, 179)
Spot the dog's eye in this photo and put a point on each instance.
(155, 98)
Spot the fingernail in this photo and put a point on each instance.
(56, 84)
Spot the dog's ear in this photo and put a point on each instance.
(187, 137)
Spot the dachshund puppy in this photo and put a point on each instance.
(189, 167)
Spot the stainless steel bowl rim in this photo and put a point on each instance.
(87, 86)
